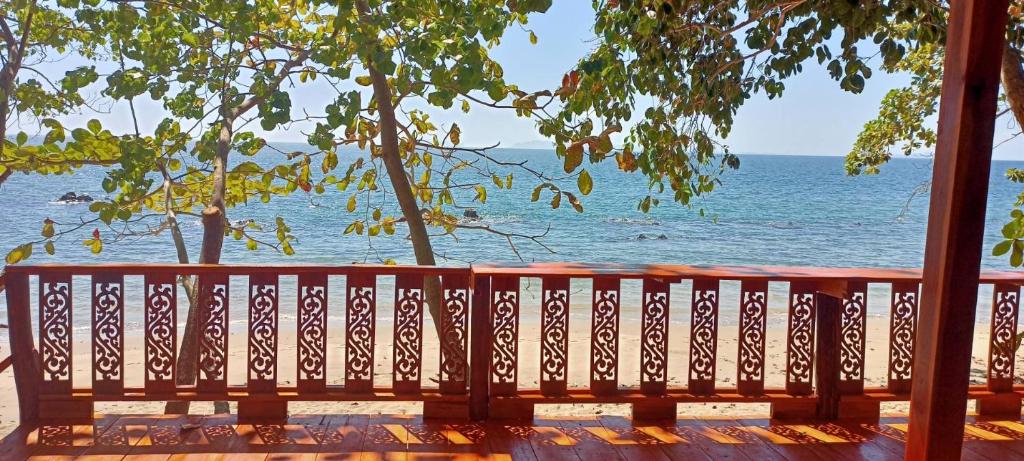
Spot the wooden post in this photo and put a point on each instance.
(480, 347)
(23, 353)
(826, 374)
(956, 222)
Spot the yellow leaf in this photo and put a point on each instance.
(533, 38)
(585, 183)
(351, 204)
(364, 80)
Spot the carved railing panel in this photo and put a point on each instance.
(604, 336)
(263, 318)
(800, 339)
(753, 329)
(703, 336)
(853, 338)
(454, 365)
(902, 328)
(312, 332)
(161, 331)
(1002, 347)
(654, 337)
(55, 341)
(360, 328)
(408, 339)
(107, 333)
(554, 336)
(213, 333)
(505, 335)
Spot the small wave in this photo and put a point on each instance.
(783, 224)
(635, 221)
(68, 202)
(496, 219)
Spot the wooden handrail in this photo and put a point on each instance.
(480, 336)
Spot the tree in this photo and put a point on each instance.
(35, 36)
(701, 61)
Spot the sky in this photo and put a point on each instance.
(814, 116)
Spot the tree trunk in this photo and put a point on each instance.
(421, 246)
(214, 224)
(1013, 82)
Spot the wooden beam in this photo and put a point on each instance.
(956, 223)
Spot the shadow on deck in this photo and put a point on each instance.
(374, 437)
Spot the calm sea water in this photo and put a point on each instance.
(775, 210)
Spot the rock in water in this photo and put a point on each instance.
(69, 197)
(471, 214)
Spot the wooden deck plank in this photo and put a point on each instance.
(403, 437)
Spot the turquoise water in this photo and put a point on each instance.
(775, 210)
(778, 210)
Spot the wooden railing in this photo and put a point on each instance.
(479, 333)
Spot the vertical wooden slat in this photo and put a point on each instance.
(853, 338)
(107, 333)
(55, 341)
(19, 330)
(505, 335)
(360, 327)
(1002, 337)
(554, 335)
(956, 227)
(828, 342)
(654, 337)
(407, 360)
(604, 337)
(455, 334)
(752, 331)
(213, 333)
(703, 336)
(800, 339)
(480, 344)
(312, 332)
(902, 328)
(263, 324)
(161, 328)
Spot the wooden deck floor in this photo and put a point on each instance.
(409, 438)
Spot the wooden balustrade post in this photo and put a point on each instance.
(826, 375)
(23, 353)
(480, 347)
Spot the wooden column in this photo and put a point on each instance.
(23, 353)
(956, 222)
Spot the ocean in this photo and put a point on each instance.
(774, 210)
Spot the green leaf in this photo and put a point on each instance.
(94, 126)
(1002, 247)
(585, 183)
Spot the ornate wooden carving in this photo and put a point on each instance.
(312, 332)
(554, 335)
(753, 326)
(213, 333)
(161, 331)
(604, 337)
(854, 323)
(454, 334)
(654, 337)
(902, 328)
(1001, 351)
(108, 333)
(408, 339)
(800, 339)
(263, 307)
(360, 327)
(703, 336)
(505, 334)
(55, 342)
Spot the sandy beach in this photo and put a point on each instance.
(877, 352)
